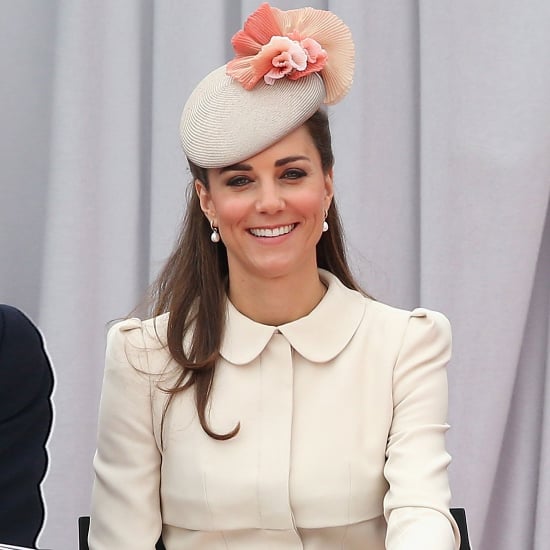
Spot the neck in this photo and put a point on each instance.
(278, 300)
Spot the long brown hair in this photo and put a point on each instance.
(193, 285)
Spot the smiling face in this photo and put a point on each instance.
(270, 209)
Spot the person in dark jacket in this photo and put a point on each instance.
(26, 384)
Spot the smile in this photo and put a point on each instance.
(272, 232)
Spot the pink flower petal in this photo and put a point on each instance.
(243, 71)
(313, 50)
(263, 61)
(284, 59)
(244, 44)
(257, 31)
(276, 73)
(311, 68)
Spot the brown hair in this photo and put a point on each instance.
(193, 284)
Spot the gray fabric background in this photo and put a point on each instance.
(443, 178)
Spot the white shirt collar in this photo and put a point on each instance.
(319, 336)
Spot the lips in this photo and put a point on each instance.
(272, 231)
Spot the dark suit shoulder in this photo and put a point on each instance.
(14, 324)
(25, 370)
(26, 382)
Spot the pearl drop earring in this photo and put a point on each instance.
(214, 236)
(325, 223)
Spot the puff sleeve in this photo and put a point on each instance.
(125, 510)
(416, 505)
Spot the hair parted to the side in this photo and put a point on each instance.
(193, 284)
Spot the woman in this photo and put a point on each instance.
(269, 403)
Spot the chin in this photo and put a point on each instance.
(273, 272)
(280, 269)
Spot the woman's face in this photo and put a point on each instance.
(270, 208)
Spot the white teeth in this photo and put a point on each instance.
(275, 232)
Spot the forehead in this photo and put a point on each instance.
(297, 142)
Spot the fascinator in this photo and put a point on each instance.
(287, 65)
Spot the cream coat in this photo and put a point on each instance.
(342, 439)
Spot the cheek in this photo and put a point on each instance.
(230, 210)
(312, 203)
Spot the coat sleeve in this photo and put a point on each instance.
(26, 383)
(125, 510)
(416, 505)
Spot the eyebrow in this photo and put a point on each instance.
(241, 167)
(286, 160)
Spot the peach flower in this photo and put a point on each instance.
(315, 54)
(284, 55)
(279, 56)
(274, 44)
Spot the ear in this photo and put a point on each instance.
(205, 200)
(329, 188)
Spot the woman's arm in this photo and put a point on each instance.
(417, 503)
(125, 511)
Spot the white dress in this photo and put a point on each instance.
(341, 445)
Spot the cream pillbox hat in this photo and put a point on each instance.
(287, 65)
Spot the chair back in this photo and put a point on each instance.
(460, 517)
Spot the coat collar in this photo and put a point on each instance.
(319, 336)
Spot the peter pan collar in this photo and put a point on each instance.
(319, 336)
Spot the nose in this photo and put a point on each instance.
(269, 199)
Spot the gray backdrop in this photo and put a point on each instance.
(443, 175)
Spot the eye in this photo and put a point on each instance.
(294, 174)
(238, 181)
